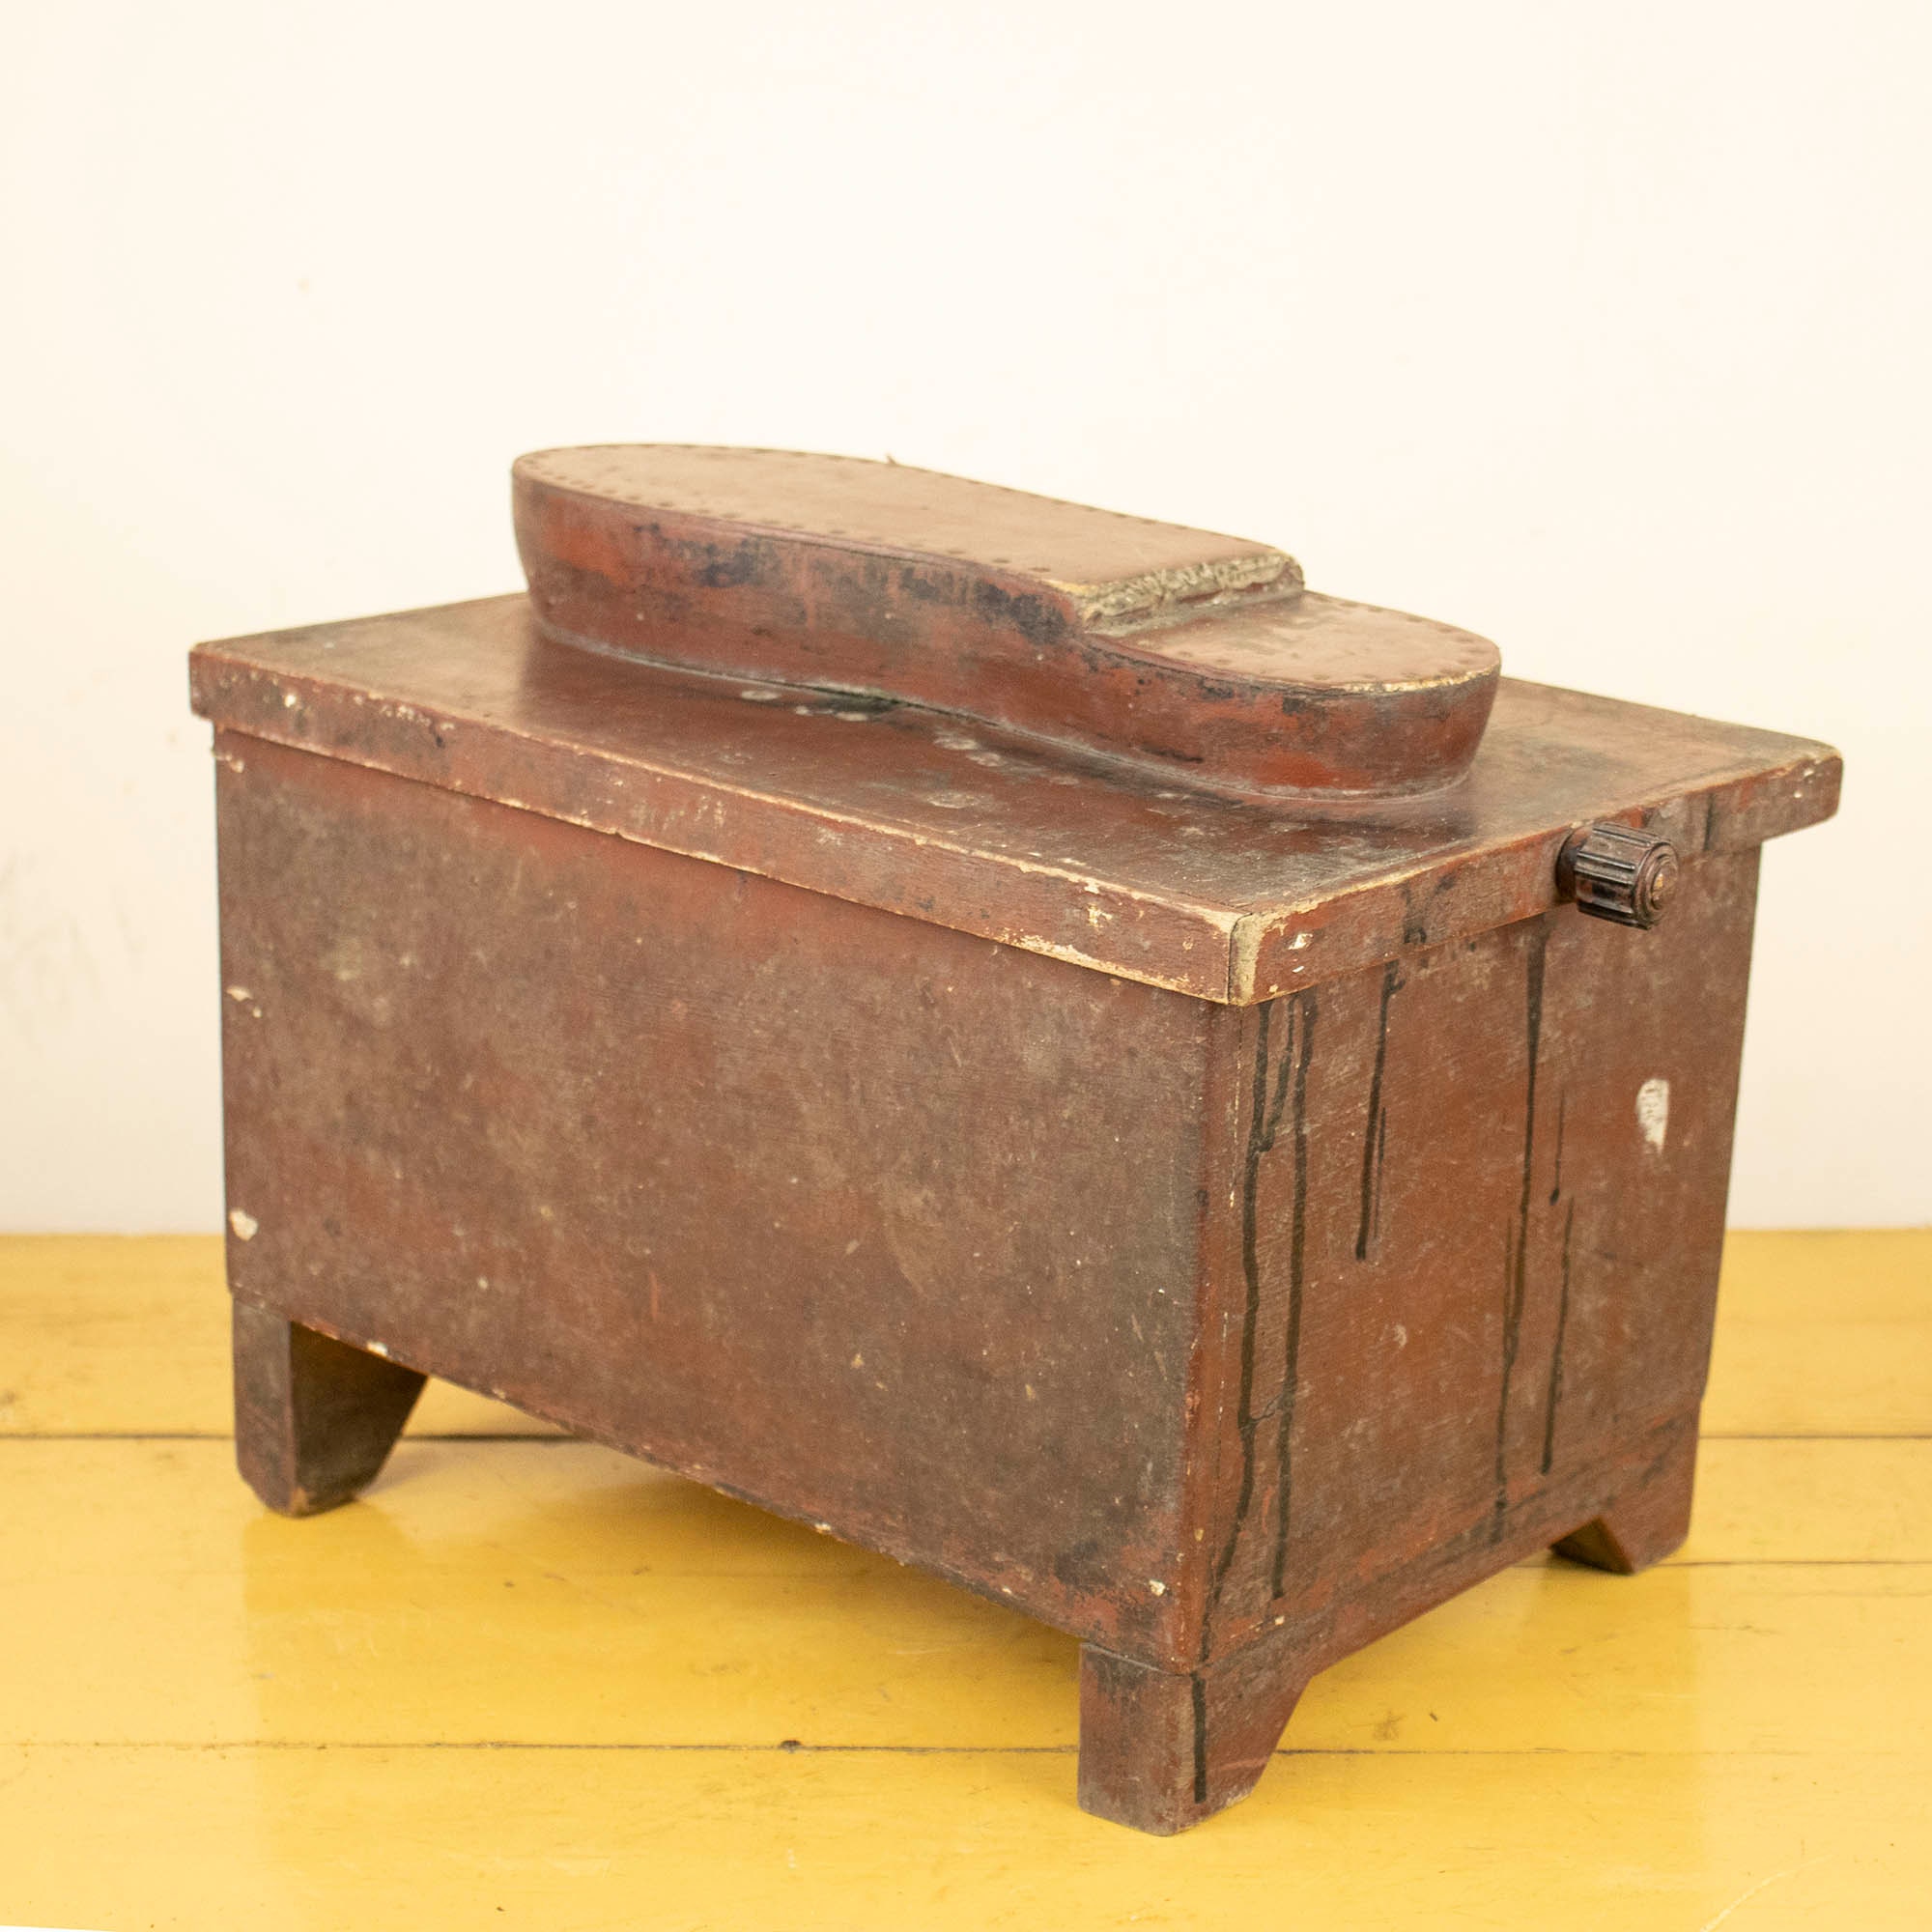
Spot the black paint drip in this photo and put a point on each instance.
(1556, 1349)
(1264, 1112)
(1297, 1270)
(1375, 1136)
(1517, 1251)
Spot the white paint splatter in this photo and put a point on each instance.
(1156, 1586)
(241, 993)
(1653, 1111)
(244, 1225)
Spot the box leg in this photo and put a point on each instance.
(314, 1418)
(1648, 1520)
(1161, 1751)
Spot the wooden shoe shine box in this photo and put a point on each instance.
(1019, 1035)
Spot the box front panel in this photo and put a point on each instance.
(1481, 1192)
(888, 1227)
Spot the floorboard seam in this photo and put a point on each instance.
(582, 1442)
(798, 1749)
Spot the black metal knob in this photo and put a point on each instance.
(1618, 872)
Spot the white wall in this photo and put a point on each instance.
(1601, 330)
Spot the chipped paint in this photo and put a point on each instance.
(1127, 602)
(245, 1225)
(1653, 1111)
(1243, 949)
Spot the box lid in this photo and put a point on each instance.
(1072, 852)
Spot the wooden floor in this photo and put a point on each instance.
(530, 1683)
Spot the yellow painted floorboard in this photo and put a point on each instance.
(528, 1682)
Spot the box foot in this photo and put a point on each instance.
(1648, 1520)
(314, 1418)
(1160, 1750)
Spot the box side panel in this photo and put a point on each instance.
(1482, 1195)
(885, 1226)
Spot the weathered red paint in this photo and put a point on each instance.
(904, 809)
(1220, 1229)
(1193, 655)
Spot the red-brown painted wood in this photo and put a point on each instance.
(1193, 654)
(1220, 1229)
(1075, 857)
(1644, 1522)
(1162, 1749)
(315, 1419)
